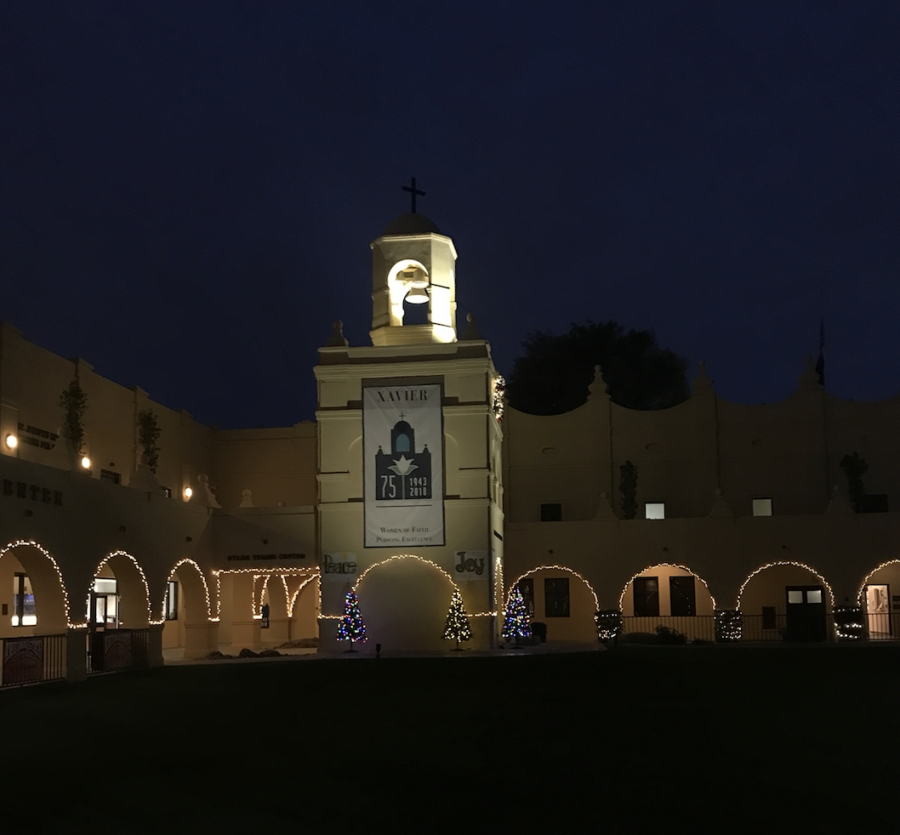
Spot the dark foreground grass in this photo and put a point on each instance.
(681, 739)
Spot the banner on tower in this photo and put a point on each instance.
(403, 465)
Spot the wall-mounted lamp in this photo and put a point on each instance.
(86, 462)
(188, 493)
(11, 441)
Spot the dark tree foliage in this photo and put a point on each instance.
(554, 373)
(855, 467)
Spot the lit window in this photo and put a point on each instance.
(795, 597)
(814, 596)
(762, 507)
(23, 601)
(655, 510)
(172, 601)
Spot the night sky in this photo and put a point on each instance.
(188, 190)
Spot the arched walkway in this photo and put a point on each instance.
(38, 603)
(876, 596)
(303, 607)
(786, 600)
(565, 608)
(186, 610)
(119, 596)
(404, 601)
(670, 596)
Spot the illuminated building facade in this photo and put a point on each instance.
(413, 484)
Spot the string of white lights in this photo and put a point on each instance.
(188, 561)
(62, 585)
(785, 562)
(143, 577)
(665, 565)
(860, 594)
(551, 568)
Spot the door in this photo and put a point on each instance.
(805, 614)
(878, 610)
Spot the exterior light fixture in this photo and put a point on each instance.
(417, 295)
(86, 462)
(11, 441)
(188, 493)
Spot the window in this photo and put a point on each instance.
(646, 597)
(167, 492)
(682, 598)
(556, 597)
(655, 510)
(172, 601)
(770, 619)
(23, 601)
(795, 596)
(762, 507)
(551, 512)
(526, 589)
(104, 609)
(110, 476)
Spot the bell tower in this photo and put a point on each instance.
(413, 263)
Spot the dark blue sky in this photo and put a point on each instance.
(188, 190)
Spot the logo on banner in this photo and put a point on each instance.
(404, 474)
(403, 436)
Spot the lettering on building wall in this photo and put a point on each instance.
(403, 463)
(24, 490)
(470, 565)
(338, 567)
(249, 557)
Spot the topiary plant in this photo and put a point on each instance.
(73, 402)
(148, 435)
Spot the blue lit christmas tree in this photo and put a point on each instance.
(516, 620)
(457, 626)
(352, 627)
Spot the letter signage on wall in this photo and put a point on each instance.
(403, 453)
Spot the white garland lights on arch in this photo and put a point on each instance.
(393, 559)
(669, 565)
(256, 572)
(143, 577)
(784, 562)
(19, 543)
(292, 600)
(553, 568)
(865, 582)
(188, 561)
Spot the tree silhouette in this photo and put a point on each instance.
(554, 373)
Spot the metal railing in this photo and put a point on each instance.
(33, 659)
(117, 650)
(753, 628)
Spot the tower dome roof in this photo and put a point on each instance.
(411, 224)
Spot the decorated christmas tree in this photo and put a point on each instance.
(516, 620)
(352, 627)
(457, 626)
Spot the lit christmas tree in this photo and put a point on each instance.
(352, 627)
(516, 620)
(457, 626)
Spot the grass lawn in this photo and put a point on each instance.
(676, 739)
